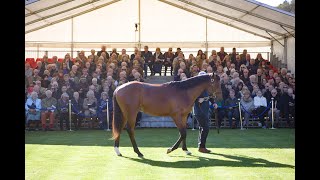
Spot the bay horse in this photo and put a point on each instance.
(174, 99)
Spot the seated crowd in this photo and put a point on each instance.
(89, 81)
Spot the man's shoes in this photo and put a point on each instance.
(204, 150)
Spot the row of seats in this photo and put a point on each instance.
(33, 62)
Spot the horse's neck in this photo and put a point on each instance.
(196, 91)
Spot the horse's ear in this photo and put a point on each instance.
(214, 76)
(217, 77)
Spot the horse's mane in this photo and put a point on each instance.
(189, 83)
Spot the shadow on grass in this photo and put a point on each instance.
(237, 161)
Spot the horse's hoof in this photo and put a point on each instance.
(140, 155)
(187, 152)
(169, 150)
(116, 149)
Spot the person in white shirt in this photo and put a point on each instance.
(260, 103)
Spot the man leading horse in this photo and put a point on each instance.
(201, 112)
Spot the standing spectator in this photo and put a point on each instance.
(103, 49)
(177, 52)
(233, 55)
(221, 53)
(243, 55)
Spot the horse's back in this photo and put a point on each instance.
(127, 87)
(136, 85)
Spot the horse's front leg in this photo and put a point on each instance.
(176, 145)
(183, 134)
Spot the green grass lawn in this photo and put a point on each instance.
(89, 154)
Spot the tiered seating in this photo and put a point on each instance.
(50, 60)
(39, 59)
(32, 62)
(60, 60)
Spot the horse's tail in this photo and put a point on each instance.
(117, 119)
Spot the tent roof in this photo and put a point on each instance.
(246, 15)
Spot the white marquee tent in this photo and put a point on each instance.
(207, 24)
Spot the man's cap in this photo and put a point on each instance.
(202, 73)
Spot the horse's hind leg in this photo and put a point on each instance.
(116, 146)
(130, 130)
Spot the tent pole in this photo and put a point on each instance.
(139, 43)
(285, 51)
(207, 37)
(37, 50)
(72, 38)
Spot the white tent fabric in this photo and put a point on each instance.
(244, 18)
(247, 15)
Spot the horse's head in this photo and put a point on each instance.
(215, 88)
(214, 78)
